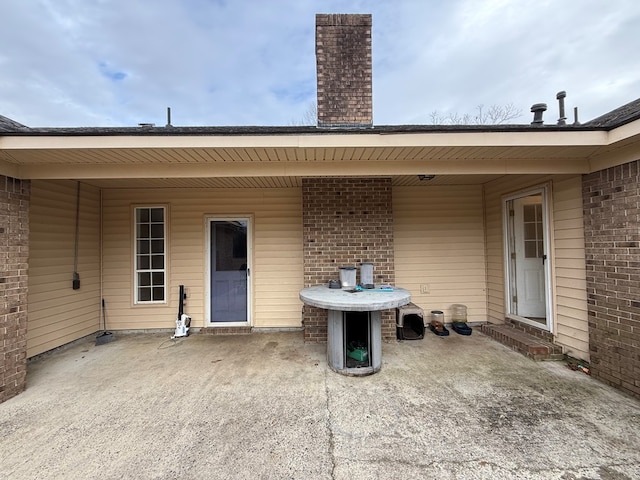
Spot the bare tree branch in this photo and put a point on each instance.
(494, 115)
(309, 117)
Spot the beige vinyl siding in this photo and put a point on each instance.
(276, 271)
(494, 255)
(57, 314)
(567, 243)
(572, 323)
(439, 242)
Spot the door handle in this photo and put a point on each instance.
(248, 272)
(544, 258)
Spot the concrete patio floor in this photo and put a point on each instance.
(266, 406)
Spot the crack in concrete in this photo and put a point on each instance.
(329, 424)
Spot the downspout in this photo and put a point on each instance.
(100, 252)
(76, 276)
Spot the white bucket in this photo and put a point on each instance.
(366, 275)
(348, 277)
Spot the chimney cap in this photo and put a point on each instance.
(338, 19)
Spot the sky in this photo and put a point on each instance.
(101, 63)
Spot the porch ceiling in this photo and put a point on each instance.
(281, 160)
(239, 162)
(272, 182)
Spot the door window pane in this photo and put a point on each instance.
(229, 272)
(532, 225)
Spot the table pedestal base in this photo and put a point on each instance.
(354, 342)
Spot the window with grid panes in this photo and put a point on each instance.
(533, 236)
(150, 258)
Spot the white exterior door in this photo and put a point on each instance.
(527, 266)
(529, 257)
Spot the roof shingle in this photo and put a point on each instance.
(618, 117)
(8, 125)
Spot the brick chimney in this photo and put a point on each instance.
(343, 62)
(346, 220)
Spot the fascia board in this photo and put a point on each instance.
(373, 140)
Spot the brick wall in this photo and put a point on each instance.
(346, 221)
(611, 200)
(14, 253)
(343, 64)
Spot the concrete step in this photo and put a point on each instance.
(523, 342)
(226, 330)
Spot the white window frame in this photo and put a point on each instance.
(151, 269)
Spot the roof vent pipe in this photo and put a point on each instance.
(538, 109)
(560, 97)
(168, 117)
(575, 117)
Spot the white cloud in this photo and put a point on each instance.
(120, 62)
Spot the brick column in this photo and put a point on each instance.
(611, 200)
(14, 253)
(346, 221)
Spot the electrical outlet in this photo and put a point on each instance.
(424, 288)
